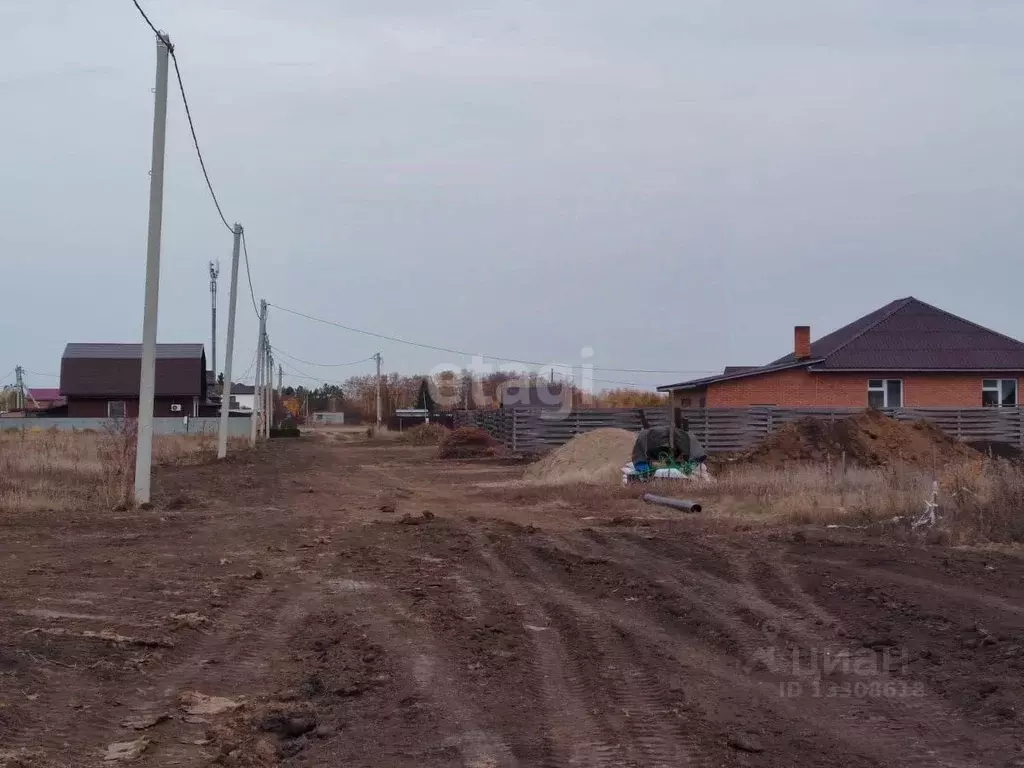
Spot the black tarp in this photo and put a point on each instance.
(654, 442)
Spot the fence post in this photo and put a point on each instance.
(842, 484)
(515, 418)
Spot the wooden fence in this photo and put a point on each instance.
(525, 430)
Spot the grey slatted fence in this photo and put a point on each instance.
(528, 430)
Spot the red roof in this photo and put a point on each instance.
(42, 394)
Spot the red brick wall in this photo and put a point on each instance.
(799, 388)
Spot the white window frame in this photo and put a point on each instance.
(998, 389)
(884, 389)
(124, 409)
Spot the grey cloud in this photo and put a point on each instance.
(520, 178)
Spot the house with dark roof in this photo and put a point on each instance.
(906, 354)
(102, 380)
(243, 397)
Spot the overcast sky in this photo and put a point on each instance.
(673, 183)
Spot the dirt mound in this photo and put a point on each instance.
(870, 439)
(593, 457)
(425, 434)
(468, 443)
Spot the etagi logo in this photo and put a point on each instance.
(550, 387)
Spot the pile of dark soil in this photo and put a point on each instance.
(870, 439)
(426, 434)
(468, 443)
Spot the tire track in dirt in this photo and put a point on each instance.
(826, 651)
(959, 594)
(576, 737)
(405, 630)
(886, 736)
(609, 675)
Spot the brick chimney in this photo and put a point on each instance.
(802, 342)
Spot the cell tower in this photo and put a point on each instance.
(214, 273)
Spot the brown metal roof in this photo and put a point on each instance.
(904, 335)
(113, 370)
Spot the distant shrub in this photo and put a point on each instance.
(285, 430)
(426, 434)
(468, 443)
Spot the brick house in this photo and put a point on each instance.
(102, 380)
(905, 354)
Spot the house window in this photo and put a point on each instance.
(115, 409)
(997, 393)
(885, 393)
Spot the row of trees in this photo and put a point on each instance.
(449, 390)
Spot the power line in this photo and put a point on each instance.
(188, 112)
(248, 274)
(48, 375)
(321, 365)
(449, 350)
(291, 370)
(12, 372)
(251, 364)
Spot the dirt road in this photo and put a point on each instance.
(352, 605)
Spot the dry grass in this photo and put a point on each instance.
(819, 493)
(51, 470)
(980, 501)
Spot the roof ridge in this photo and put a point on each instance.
(900, 304)
(979, 326)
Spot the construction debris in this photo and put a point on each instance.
(668, 501)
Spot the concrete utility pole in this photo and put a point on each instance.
(257, 406)
(280, 378)
(19, 383)
(225, 393)
(269, 413)
(147, 380)
(377, 357)
(19, 388)
(214, 274)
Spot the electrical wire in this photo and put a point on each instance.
(449, 350)
(291, 370)
(248, 274)
(321, 365)
(188, 112)
(12, 372)
(47, 375)
(251, 365)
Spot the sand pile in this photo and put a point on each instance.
(593, 457)
(870, 439)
